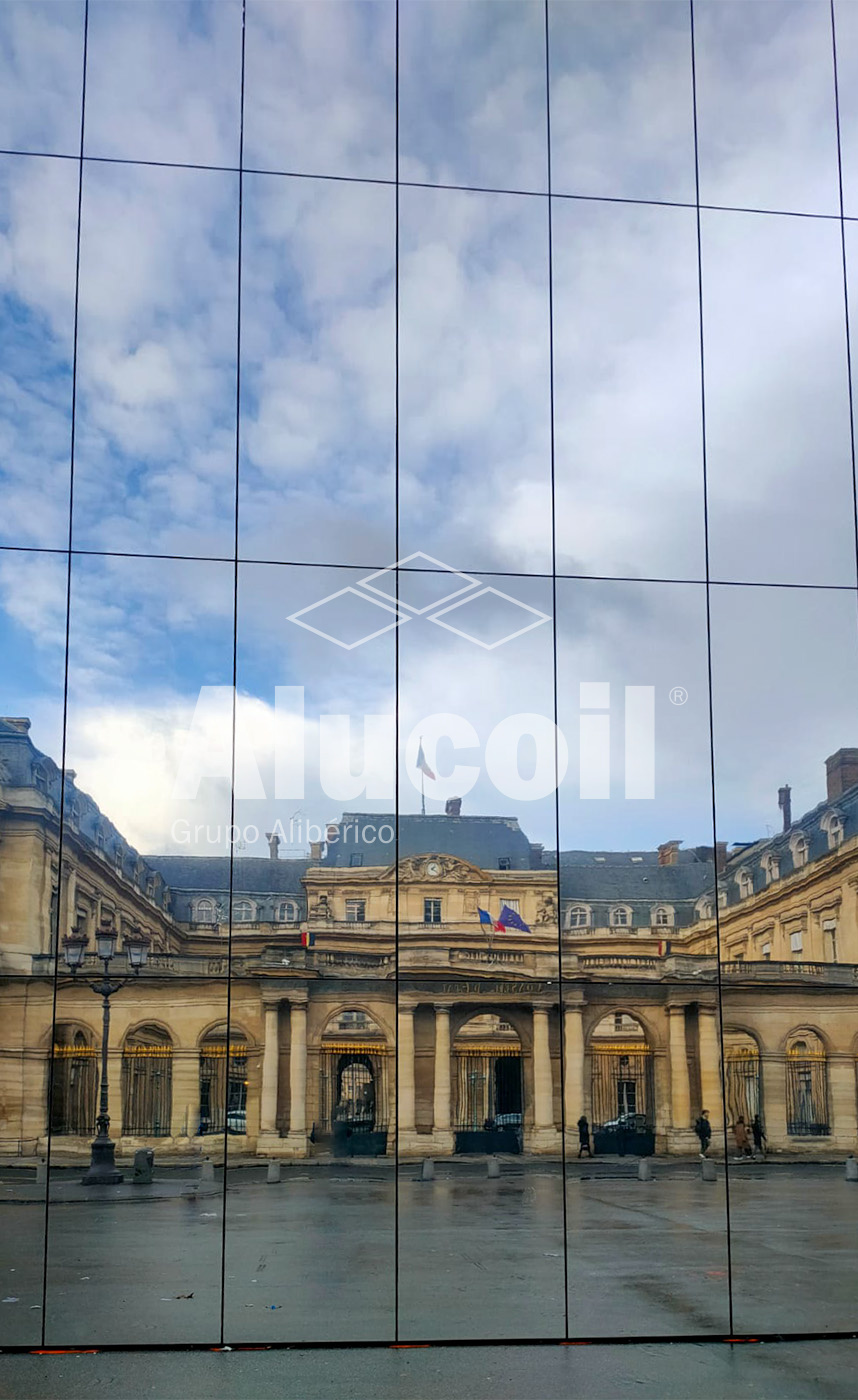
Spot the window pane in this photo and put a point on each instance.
(155, 461)
(789, 1042)
(38, 227)
(765, 105)
(318, 371)
(621, 103)
(628, 435)
(472, 94)
(777, 399)
(320, 87)
(164, 81)
(143, 745)
(474, 426)
(41, 73)
(634, 707)
(478, 1005)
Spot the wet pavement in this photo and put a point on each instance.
(312, 1259)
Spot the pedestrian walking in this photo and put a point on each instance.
(703, 1129)
(584, 1136)
(759, 1136)
(740, 1136)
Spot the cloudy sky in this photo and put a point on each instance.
(157, 365)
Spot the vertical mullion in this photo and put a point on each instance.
(712, 765)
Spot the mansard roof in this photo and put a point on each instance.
(256, 875)
(489, 842)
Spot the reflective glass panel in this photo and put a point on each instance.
(765, 105)
(646, 1229)
(777, 400)
(148, 755)
(320, 87)
(310, 1255)
(318, 367)
(621, 100)
(472, 94)
(785, 668)
(155, 459)
(41, 61)
(481, 1233)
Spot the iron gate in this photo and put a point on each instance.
(223, 1088)
(74, 1090)
(147, 1090)
(354, 1094)
(742, 1084)
(489, 1099)
(807, 1093)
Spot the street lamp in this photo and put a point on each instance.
(102, 1166)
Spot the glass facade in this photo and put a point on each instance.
(429, 622)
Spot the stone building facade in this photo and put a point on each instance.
(351, 997)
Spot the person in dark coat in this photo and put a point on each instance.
(584, 1136)
(703, 1129)
(758, 1134)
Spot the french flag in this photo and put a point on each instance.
(422, 765)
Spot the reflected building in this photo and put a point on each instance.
(437, 974)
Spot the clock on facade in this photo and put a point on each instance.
(433, 868)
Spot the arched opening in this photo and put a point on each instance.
(354, 1085)
(488, 1086)
(807, 1085)
(147, 1083)
(223, 1081)
(622, 1086)
(74, 1082)
(742, 1076)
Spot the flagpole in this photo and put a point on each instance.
(422, 794)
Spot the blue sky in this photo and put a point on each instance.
(157, 366)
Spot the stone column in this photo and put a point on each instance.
(680, 1088)
(405, 1108)
(298, 1073)
(710, 1070)
(842, 1117)
(573, 1054)
(185, 1114)
(441, 1106)
(774, 1106)
(543, 1087)
(270, 1068)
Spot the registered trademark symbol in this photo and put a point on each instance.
(678, 695)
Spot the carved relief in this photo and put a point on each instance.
(440, 867)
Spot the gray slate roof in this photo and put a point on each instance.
(484, 841)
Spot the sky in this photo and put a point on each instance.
(158, 361)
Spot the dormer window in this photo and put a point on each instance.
(504, 863)
(621, 916)
(663, 916)
(578, 916)
(204, 912)
(705, 909)
(798, 846)
(771, 868)
(287, 912)
(242, 911)
(745, 881)
(832, 825)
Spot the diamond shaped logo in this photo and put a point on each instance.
(348, 618)
(420, 587)
(480, 619)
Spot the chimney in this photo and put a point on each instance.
(668, 853)
(453, 807)
(315, 850)
(841, 771)
(273, 844)
(18, 723)
(720, 856)
(785, 804)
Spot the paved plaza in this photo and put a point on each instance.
(312, 1259)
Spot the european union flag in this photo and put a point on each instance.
(485, 916)
(510, 919)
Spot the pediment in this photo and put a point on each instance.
(437, 868)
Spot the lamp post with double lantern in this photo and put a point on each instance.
(102, 1167)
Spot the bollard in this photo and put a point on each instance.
(644, 1170)
(144, 1167)
(207, 1173)
(851, 1168)
(42, 1172)
(707, 1170)
(428, 1173)
(273, 1173)
(493, 1167)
